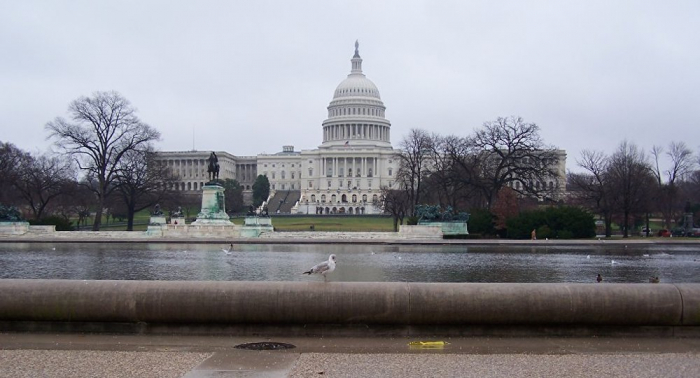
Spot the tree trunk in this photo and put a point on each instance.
(130, 217)
(98, 213)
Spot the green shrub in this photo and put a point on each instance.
(564, 222)
(481, 221)
(62, 224)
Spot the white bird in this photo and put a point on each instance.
(228, 251)
(323, 268)
(588, 257)
(613, 262)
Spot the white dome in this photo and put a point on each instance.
(356, 85)
(356, 113)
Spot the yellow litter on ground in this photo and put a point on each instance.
(428, 344)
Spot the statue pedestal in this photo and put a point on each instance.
(177, 220)
(254, 226)
(213, 206)
(157, 219)
(13, 228)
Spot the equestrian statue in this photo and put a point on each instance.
(213, 168)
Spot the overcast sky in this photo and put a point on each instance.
(247, 77)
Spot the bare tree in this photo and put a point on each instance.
(397, 203)
(510, 152)
(11, 159)
(141, 182)
(104, 128)
(632, 181)
(681, 163)
(414, 158)
(41, 180)
(593, 189)
(449, 181)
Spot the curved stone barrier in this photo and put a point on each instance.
(318, 303)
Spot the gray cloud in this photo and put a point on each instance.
(249, 77)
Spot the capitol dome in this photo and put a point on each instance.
(357, 84)
(356, 113)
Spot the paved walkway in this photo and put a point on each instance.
(71, 355)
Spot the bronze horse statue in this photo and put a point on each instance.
(213, 167)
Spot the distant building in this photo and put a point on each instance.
(344, 175)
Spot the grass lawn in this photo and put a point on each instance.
(330, 223)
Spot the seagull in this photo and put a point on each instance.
(613, 262)
(323, 268)
(599, 278)
(228, 251)
(588, 257)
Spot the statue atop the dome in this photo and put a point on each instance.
(357, 49)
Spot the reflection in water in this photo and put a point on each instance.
(368, 263)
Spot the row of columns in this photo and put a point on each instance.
(182, 166)
(355, 131)
(369, 166)
(246, 172)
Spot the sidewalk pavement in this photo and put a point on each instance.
(144, 356)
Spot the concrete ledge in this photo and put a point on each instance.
(461, 308)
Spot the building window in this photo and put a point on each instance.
(313, 198)
(292, 175)
(369, 173)
(311, 184)
(283, 174)
(390, 171)
(329, 184)
(273, 186)
(375, 199)
(333, 198)
(273, 175)
(323, 198)
(364, 198)
(311, 172)
(354, 198)
(340, 183)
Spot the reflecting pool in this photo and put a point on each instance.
(356, 263)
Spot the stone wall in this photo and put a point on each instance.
(350, 305)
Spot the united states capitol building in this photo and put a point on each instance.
(343, 175)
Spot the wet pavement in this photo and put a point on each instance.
(99, 355)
